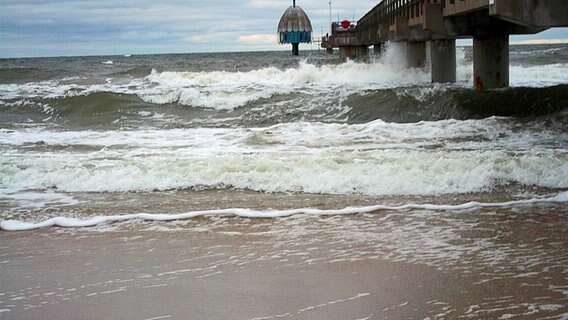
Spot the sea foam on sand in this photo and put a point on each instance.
(14, 225)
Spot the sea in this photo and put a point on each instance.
(367, 151)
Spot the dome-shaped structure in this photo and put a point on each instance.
(294, 27)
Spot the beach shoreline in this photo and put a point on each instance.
(356, 267)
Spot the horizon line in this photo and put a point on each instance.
(514, 43)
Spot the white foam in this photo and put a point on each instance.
(539, 76)
(14, 225)
(534, 52)
(464, 68)
(35, 199)
(380, 172)
(44, 108)
(487, 134)
(377, 158)
(45, 89)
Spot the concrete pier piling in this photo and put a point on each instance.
(378, 49)
(416, 54)
(353, 52)
(491, 62)
(443, 60)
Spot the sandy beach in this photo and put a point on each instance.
(474, 264)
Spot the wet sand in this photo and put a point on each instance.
(169, 277)
(475, 264)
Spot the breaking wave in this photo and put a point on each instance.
(256, 107)
(376, 158)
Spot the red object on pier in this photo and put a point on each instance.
(345, 24)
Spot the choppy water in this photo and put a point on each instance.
(268, 122)
(86, 141)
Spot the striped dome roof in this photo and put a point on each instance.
(293, 20)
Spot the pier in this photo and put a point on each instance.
(432, 26)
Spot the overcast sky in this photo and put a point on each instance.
(100, 27)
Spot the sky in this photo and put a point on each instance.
(34, 28)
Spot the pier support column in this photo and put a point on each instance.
(346, 52)
(415, 54)
(377, 49)
(491, 62)
(353, 52)
(295, 49)
(443, 59)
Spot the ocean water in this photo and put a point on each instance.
(369, 152)
(105, 127)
